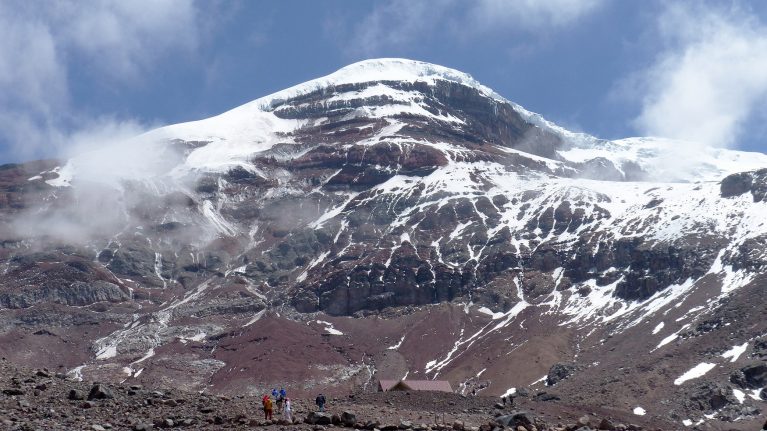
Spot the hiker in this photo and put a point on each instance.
(267, 407)
(281, 399)
(288, 410)
(320, 401)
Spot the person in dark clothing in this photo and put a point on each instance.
(281, 400)
(320, 401)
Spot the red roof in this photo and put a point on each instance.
(415, 385)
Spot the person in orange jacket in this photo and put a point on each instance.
(268, 407)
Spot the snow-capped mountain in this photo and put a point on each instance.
(397, 218)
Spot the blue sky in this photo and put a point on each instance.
(83, 71)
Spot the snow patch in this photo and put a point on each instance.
(255, 318)
(329, 328)
(76, 373)
(639, 411)
(697, 371)
(740, 395)
(509, 392)
(217, 220)
(667, 340)
(65, 176)
(107, 352)
(396, 346)
(489, 312)
(735, 352)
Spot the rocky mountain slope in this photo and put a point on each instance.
(39, 399)
(396, 218)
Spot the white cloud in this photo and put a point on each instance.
(397, 23)
(41, 42)
(709, 79)
(401, 23)
(530, 15)
(121, 37)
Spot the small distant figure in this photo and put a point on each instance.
(274, 393)
(288, 410)
(503, 399)
(281, 399)
(320, 401)
(268, 409)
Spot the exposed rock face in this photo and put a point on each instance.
(711, 397)
(77, 293)
(752, 376)
(743, 182)
(760, 348)
(559, 372)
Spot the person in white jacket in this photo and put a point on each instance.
(287, 409)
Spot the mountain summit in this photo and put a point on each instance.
(396, 218)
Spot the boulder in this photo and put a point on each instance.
(100, 392)
(606, 424)
(546, 396)
(348, 418)
(74, 394)
(516, 419)
(319, 418)
(164, 423)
